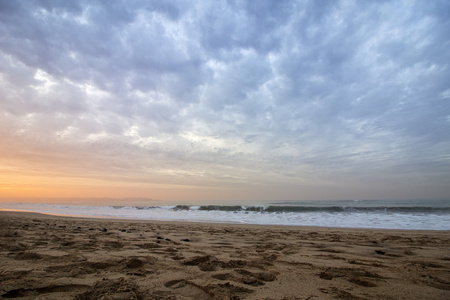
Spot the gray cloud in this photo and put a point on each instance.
(237, 92)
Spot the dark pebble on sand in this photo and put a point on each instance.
(380, 252)
(159, 238)
(185, 240)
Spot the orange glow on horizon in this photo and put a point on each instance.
(53, 187)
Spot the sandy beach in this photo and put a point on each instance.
(52, 257)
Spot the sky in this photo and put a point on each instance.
(225, 100)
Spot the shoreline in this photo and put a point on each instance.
(65, 257)
(125, 219)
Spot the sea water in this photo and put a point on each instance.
(393, 214)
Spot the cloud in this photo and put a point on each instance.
(235, 92)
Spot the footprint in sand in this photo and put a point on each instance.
(187, 289)
(359, 277)
(212, 291)
(247, 277)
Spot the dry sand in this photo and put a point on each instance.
(49, 257)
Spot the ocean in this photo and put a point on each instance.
(380, 214)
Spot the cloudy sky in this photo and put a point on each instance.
(225, 100)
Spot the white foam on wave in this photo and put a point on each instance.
(347, 219)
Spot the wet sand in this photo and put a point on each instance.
(50, 257)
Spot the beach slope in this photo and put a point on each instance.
(50, 257)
